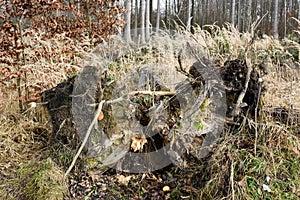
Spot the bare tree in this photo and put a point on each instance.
(158, 15)
(275, 24)
(127, 17)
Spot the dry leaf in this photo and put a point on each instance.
(123, 180)
(166, 188)
(137, 143)
(101, 116)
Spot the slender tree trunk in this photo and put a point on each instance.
(136, 10)
(258, 9)
(194, 14)
(207, 10)
(249, 15)
(239, 16)
(270, 11)
(127, 17)
(143, 40)
(150, 11)
(275, 25)
(203, 11)
(224, 18)
(188, 15)
(284, 17)
(158, 16)
(233, 13)
(147, 20)
(299, 9)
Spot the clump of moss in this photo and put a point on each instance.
(41, 180)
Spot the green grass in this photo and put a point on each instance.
(40, 180)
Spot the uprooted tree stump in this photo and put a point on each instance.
(143, 114)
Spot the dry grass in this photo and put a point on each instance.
(234, 171)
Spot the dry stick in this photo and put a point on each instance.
(231, 180)
(255, 118)
(236, 109)
(86, 137)
(149, 92)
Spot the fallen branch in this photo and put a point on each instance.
(159, 93)
(98, 111)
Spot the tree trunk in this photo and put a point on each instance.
(136, 10)
(188, 15)
(158, 16)
(224, 11)
(239, 16)
(275, 25)
(143, 21)
(258, 9)
(150, 11)
(299, 9)
(127, 17)
(166, 12)
(284, 17)
(147, 20)
(249, 15)
(233, 13)
(194, 14)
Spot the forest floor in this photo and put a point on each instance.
(257, 159)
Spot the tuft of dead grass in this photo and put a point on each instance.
(23, 173)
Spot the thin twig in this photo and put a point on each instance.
(86, 137)
(148, 92)
(255, 118)
(231, 180)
